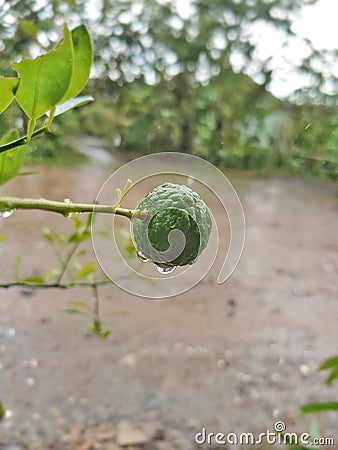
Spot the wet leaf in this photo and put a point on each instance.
(11, 160)
(72, 103)
(45, 79)
(7, 89)
(82, 61)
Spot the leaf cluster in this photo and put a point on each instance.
(47, 85)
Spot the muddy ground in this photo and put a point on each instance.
(236, 357)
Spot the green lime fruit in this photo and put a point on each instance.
(172, 226)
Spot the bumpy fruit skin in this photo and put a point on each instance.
(172, 207)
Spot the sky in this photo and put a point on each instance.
(319, 23)
(316, 22)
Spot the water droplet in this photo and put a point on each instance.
(30, 381)
(11, 332)
(304, 370)
(141, 257)
(33, 363)
(8, 414)
(221, 363)
(7, 213)
(165, 270)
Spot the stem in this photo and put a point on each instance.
(53, 285)
(96, 309)
(67, 261)
(65, 208)
(23, 140)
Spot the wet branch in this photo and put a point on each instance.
(66, 208)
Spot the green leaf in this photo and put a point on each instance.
(319, 407)
(11, 160)
(33, 279)
(79, 237)
(98, 330)
(45, 79)
(74, 311)
(96, 327)
(86, 270)
(52, 273)
(7, 89)
(72, 103)
(82, 61)
(2, 237)
(28, 28)
(333, 375)
(104, 333)
(329, 363)
(2, 411)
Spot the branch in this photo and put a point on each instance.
(23, 140)
(53, 285)
(66, 208)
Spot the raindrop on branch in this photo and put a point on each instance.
(6, 214)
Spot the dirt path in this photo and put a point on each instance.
(233, 357)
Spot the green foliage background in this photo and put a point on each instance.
(164, 82)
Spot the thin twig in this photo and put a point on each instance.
(66, 262)
(55, 285)
(96, 305)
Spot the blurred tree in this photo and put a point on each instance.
(158, 39)
(190, 76)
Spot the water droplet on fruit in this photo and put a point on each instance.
(6, 214)
(165, 270)
(141, 257)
